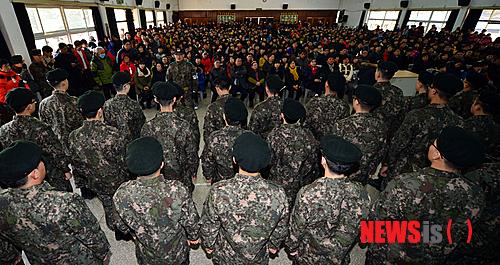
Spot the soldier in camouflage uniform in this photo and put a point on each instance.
(266, 114)
(216, 159)
(160, 211)
(482, 124)
(294, 151)
(187, 114)
(245, 218)
(435, 194)
(323, 111)
(392, 98)
(213, 118)
(9, 254)
(365, 131)
(51, 226)
(121, 111)
(484, 245)
(409, 145)
(184, 74)
(175, 135)
(25, 127)
(322, 232)
(98, 151)
(462, 101)
(38, 69)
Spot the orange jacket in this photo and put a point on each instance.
(8, 81)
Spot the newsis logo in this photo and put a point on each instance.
(400, 231)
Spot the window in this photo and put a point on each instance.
(490, 21)
(429, 18)
(121, 22)
(159, 18)
(386, 20)
(150, 21)
(53, 25)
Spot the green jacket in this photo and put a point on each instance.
(101, 69)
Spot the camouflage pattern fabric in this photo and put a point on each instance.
(294, 158)
(213, 118)
(124, 114)
(9, 254)
(410, 143)
(242, 218)
(217, 158)
(391, 107)
(184, 73)
(162, 215)
(486, 130)
(190, 116)
(266, 116)
(61, 112)
(98, 152)
(484, 244)
(369, 134)
(415, 102)
(32, 129)
(425, 195)
(462, 102)
(38, 71)
(322, 112)
(179, 147)
(326, 220)
(52, 227)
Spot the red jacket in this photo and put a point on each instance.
(81, 59)
(207, 63)
(8, 81)
(129, 69)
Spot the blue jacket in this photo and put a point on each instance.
(308, 75)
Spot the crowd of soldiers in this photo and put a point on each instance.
(293, 174)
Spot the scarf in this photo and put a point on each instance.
(293, 71)
(143, 73)
(314, 69)
(257, 75)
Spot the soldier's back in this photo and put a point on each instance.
(486, 130)
(266, 116)
(391, 106)
(190, 116)
(213, 120)
(323, 112)
(462, 102)
(124, 114)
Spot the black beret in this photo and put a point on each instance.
(178, 51)
(35, 52)
(251, 152)
(425, 78)
(223, 78)
(120, 78)
(476, 79)
(336, 81)
(19, 97)
(144, 156)
(448, 83)
(180, 90)
(57, 75)
(91, 101)
(19, 159)
(388, 66)
(460, 147)
(164, 90)
(490, 98)
(275, 83)
(368, 95)
(336, 149)
(235, 109)
(293, 109)
(16, 59)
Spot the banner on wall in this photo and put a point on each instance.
(289, 18)
(226, 18)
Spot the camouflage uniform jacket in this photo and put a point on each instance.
(484, 245)
(266, 116)
(426, 195)
(32, 129)
(326, 220)
(184, 74)
(217, 158)
(323, 112)
(294, 156)
(190, 116)
(61, 112)
(162, 215)
(391, 107)
(213, 118)
(124, 114)
(243, 217)
(8, 253)
(410, 143)
(486, 130)
(179, 147)
(414, 102)
(462, 102)
(369, 134)
(52, 227)
(38, 71)
(98, 152)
